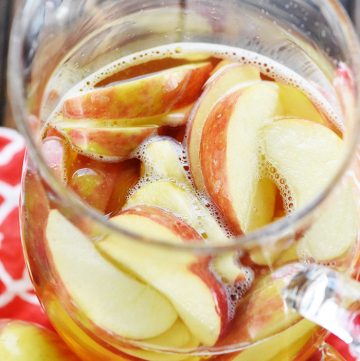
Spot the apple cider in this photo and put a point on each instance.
(180, 149)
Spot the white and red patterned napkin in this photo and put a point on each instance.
(17, 299)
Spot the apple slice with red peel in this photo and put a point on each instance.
(181, 201)
(20, 341)
(99, 140)
(156, 93)
(111, 299)
(222, 81)
(94, 181)
(57, 156)
(230, 156)
(324, 242)
(175, 118)
(306, 156)
(93, 186)
(262, 312)
(184, 278)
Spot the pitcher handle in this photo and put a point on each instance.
(328, 298)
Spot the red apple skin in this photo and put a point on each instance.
(108, 144)
(156, 95)
(214, 145)
(202, 270)
(57, 156)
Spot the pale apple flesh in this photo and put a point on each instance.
(181, 201)
(177, 337)
(100, 290)
(221, 82)
(230, 157)
(306, 155)
(297, 104)
(20, 341)
(184, 278)
(161, 158)
(261, 313)
(150, 95)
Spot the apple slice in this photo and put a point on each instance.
(99, 140)
(262, 312)
(108, 297)
(297, 105)
(184, 278)
(57, 156)
(88, 348)
(175, 118)
(156, 93)
(283, 346)
(220, 83)
(161, 157)
(20, 341)
(178, 337)
(94, 181)
(93, 186)
(306, 155)
(230, 156)
(181, 201)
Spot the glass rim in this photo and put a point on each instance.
(260, 237)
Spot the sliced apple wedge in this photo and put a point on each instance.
(161, 157)
(262, 312)
(222, 81)
(20, 341)
(306, 156)
(58, 156)
(335, 231)
(108, 297)
(93, 186)
(185, 279)
(181, 201)
(230, 156)
(177, 337)
(157, 93)
(297, 105)
(104, 142)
